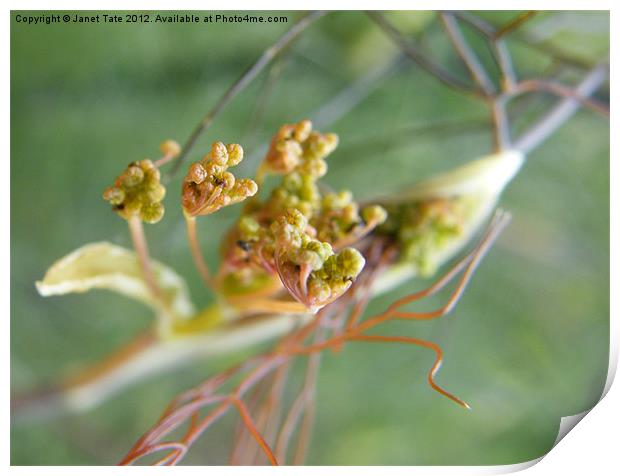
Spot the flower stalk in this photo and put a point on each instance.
(140, 245)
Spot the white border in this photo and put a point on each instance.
(592, 448)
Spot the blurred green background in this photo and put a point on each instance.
(528, 342)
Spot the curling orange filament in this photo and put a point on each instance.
(264, 376)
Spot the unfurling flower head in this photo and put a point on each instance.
(435, 218)
(138, 192)
(309, 268)
(208, 186)
(298, 233)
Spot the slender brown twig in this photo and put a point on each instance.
(476, 70)
(552, 120)
(559, 89)
(496, 102)
(411, 50)
(514, 24)
(244, 80)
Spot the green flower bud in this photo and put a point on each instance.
(152, 212)
(133, 176)
(302, 130)
(235, 154)
(114, 195)
(137, 192)
(350, 263)
(319, 290)
(248, 227)
(374, 214)
(170, 148)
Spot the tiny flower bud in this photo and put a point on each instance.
(219, 154)
(246, 187)
(374, 214)
(350, 263)
(302, 130)
(114, 195)
(157, 193)
(152, 212)
(235, 154)
(170, 148)
(197, 173)
(133, 176)
(227, 180)
(248, 227)
(319, 290)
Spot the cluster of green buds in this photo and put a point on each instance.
(423, 227)
(138, 192)
(435, 218)
(309, 268)
(341, 221)
(297, 231)
(209, 186)
(296, 191)
(298, 147)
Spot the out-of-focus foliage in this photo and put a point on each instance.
(527, 344)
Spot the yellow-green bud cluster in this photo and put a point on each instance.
(138, 192)
(424, 228)
(336, 275)
(296, 147)
(296, 191)
(209, 186)
(322, 275)
(297, 231)
(340, 217)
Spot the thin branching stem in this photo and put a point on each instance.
(501, 125)
(514, 24)
(496, 44)
(551, 121)
(244, 80)
(500, 52)
(559, 89)
(411, 50)
(496, 103)
(479, 24)
(476, 70)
